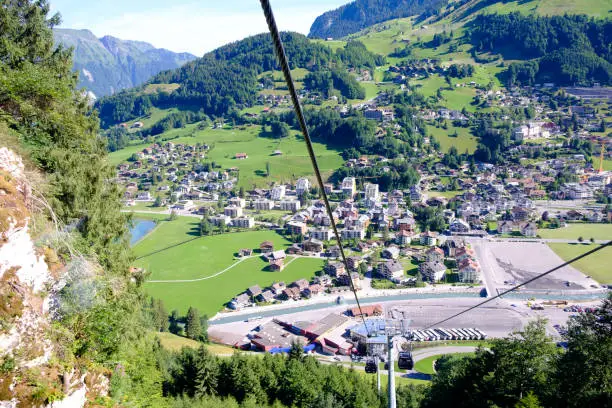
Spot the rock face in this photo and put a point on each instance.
(106, 65)
(26, 290)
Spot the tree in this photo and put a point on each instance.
(297, 351)
(583, 372)
(363, 268)
(193, 327)
(207, 373)
(529, 401)
(205, 227)
(158, 202)
(580, 239)
(174, 327)
(268, 171)
(173, 216)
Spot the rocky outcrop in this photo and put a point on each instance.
(29, 376)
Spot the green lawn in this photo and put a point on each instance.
(206, 256)
(173, 342)
(464, 140)
(596, 265)
(573, 231)
(293, 162)
(607, 164)
(425, 365)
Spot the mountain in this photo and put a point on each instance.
(360, 14)
(108, 64)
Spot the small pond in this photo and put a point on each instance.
(140, 229)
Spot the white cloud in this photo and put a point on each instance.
(185, 29)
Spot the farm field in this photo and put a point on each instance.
(573, 231)
(596, 265)
(464, 140)
(210, 295)
(206, 256)
(293, 162)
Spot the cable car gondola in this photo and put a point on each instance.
(405, 361)
(371, 366)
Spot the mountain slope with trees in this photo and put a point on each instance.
(360, 14)
(107, 65)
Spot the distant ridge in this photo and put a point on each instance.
(360, 14)
(107, 65)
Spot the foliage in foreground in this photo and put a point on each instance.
(526, 368)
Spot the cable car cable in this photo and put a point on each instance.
(284, 64)
(579, 257)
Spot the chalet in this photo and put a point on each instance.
(276, 265)
(300, 284)
(459, 226)
(278, 287)
(253, 290)
(312, 245)
(505, 227)
(241, 156)
(294, 250)
(390, 253)
(528, 229)
(434, 255)
(335, 269)
(334, 251)
(266, 296)
(312, 290)
(348, 279)
(266, 246)
(354, 262)
(429, 238)
(469, 272)
(290, 293)
(245, 252)
(240, 301)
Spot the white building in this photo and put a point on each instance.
(353, 233)
(290, 205)
(263, 204)
(349, 186)
(322, 234)
(243, 222)
(218, 220)
(278, 193)
(371, 192)
(392, 270)
(302, 186)
(232, 211)
(238, 202)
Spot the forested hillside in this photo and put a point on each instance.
(107, 65)
(565, 49)
(360, 14)
(227, 78)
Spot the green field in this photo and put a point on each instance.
(173, 342)
(384, 380)
(607, 164)
(293, 162)
(425, 365)
(596, 265)
(206, 256)
(464, 140)
(573, 231)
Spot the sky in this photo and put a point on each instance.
(187, 26)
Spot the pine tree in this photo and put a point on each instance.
(193, 328)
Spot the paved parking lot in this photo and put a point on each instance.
(507, 263)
